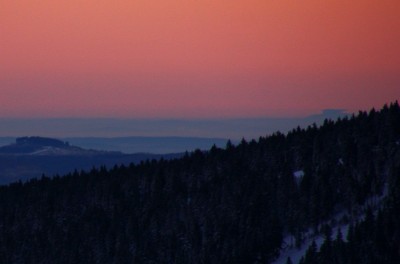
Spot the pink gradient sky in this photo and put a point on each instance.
(196, 59)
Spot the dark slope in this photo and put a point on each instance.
(373, 240)
(220, 206)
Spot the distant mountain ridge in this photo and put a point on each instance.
(41, 141)
(43, 146)
(156, 145)
(135, 144)
(31, 157)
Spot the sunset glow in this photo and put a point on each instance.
(191, 59)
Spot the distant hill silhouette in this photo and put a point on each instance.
(40, 145)
(41, 141)
(31, 157)
(132, 144)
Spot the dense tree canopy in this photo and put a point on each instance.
(231, 205)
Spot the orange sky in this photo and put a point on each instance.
(196, 58)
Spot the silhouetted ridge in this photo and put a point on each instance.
(27, 145)
(31, 157)
(41, 142)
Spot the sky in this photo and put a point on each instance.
(191, 59)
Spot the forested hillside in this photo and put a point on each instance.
(231, 205)
(374, 239)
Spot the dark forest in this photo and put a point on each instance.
(225, 205)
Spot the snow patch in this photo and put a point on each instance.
(295, 253)
(298, 174)
(375, 202)
(54, 151)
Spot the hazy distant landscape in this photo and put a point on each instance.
(130, 145)
(28, 158)
(217, 128)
